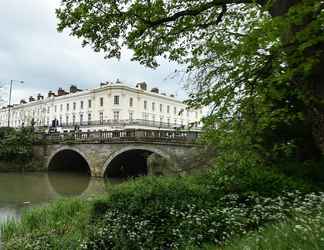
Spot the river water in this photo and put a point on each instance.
(19, 191)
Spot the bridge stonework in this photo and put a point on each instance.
(98, 155)
(100, 148)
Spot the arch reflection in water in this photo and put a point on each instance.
(68, 183)
(131, 163)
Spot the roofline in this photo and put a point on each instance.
(95, 90)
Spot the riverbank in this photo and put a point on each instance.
(168, 212)
(17, 166)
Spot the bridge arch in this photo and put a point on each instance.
(68, 159)
(136, 155)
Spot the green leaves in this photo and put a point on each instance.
(257, 73)
(15, 145)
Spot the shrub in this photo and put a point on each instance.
(15, 145)
(303, 232)
(167, 212)
(163, 213)
(171, 227)
(249, 178)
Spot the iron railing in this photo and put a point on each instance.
(124, 123)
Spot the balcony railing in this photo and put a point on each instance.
(124, 123)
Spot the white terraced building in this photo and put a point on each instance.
(109, 107)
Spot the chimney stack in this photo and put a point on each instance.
(155, 90)
(40, 97)
(141, 85)
(50, 93)
(61, 92)
(22, 101)
(74, 89)
(31, 99)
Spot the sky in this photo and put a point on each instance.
(32, 50)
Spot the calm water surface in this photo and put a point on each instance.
(20, 191)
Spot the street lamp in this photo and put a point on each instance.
(11, 82)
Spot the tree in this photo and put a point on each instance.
(257, 63)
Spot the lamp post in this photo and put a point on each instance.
(10, 91)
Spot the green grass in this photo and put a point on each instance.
(303, 233)
(160, 212)
(62, 224)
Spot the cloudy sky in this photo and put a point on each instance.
(32, 50)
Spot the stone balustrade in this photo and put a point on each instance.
(122, 136)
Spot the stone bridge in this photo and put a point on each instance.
(112, 153)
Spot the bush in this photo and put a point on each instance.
(264, 181)
(167, 212)
(171, 227)
(303, 232)
(15, 145)
(163, 213)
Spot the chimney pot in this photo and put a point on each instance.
(155, 90)
(142, 85)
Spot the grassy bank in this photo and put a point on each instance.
(59, 225)
(300, 232)
(213, 209)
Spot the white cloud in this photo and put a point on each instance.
(32, 50)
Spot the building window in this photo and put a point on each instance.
(89, 104)
(131, 116)
(60, 120)
(131, 102)
(74, 106)
(168, 109)
(61, 107)
(145, 105)
(67, 107)
(161, 120)
(175, 110)
(153, 118)
(73, 120)
(89, 118)
(67, 120)
(101, 117)
(81, 104)
(116, 115)
(81, 119)
(168, 122)
(101, 101)
(161, 108)
(116, 99)
(55, 108)
(153, 106)
(145, 116)
(48, 110)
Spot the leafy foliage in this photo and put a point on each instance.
(59, 225)
(165, 212)
(15, 145)
(256, 64)
(302, 232)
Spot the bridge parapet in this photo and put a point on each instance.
(128, 135)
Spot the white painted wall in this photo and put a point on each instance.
(68, 108)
